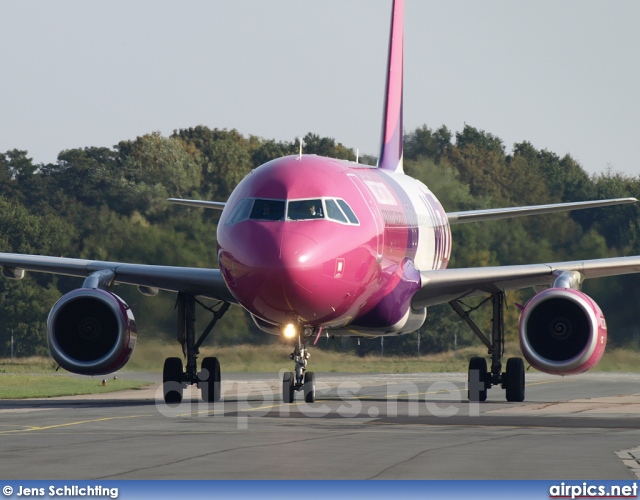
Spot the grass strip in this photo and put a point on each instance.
(47, 385)
(36, 377)
(271, 358)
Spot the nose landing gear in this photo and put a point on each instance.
(301, 380)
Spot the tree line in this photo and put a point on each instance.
(110, 204)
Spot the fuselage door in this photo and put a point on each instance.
(375, 212)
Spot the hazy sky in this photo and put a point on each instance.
(563, 75)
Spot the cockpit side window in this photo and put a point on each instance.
(268, 210)
(348, 212)
(241, 211)
(305, 209)
(333, 212)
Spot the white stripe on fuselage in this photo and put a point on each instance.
(429, 220)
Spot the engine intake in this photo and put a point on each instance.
(562, 331)
(91, 332)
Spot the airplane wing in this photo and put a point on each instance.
(505, 213)
(216, 205)
(196, 281)
(445, 285)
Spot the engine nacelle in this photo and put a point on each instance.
(562, 331)
(91, 332)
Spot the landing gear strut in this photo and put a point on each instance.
(301, 379)
(479, 378)
(174, 377)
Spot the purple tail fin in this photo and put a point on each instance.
(391, 148)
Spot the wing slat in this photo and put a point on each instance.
(506, 213)
(203, 282)
(444, 285)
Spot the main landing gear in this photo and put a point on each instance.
(301, 380)
(479, 378)
(174, 377)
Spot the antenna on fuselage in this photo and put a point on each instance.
(357, 155)
(300, 153)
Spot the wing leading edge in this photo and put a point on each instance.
(195, 281)
(506, 213)
(215, 205)
(445, 285)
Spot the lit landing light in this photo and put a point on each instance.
(289, 331)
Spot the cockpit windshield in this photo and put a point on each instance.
(333, 209)
(305, 209)
(267, 210)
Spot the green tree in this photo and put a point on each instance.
(471, 136)
(155, 168)
(19, 164)
(326, 146)
(427, 143)
(89, 175)
(265, 151)
(25, 306)
(226, 159)
(619, 225)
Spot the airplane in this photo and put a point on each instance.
(313, 246)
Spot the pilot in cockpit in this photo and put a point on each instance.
(315, 213)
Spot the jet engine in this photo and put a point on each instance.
(91, 332)
(562, 331)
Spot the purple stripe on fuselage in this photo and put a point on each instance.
(392, 307)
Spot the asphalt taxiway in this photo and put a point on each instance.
(408, 426)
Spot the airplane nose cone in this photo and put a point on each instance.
(298, 252)
(283, 279)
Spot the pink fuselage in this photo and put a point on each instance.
(351, 277)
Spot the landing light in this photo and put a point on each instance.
(289, 331)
